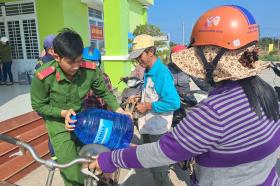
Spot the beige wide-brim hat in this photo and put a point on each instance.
(139, 44)
(228, 67)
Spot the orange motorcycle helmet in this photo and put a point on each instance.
(230, 27)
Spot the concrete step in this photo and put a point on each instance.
(30, 128)
(20, 166)
(33, 137)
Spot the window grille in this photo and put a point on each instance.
(15, 39)
(96, 19)
(30, 38)
(2, 29)
(19, 9)
(95, 13)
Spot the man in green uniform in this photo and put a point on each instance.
(57, 92)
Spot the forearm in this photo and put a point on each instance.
(164, 152)
(111, 101)
(161, 106)
(47, 110)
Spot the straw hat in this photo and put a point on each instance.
(228, 68)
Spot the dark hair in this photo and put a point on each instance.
(68, 44)
(151, 49)
(262, 97)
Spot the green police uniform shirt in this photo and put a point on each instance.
(52, 92)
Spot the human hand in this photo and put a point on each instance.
(95, 166)
(92, 169)
(144, 107)
(69, 126)
(121, 111)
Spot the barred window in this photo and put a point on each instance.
(15, 39)
(95, 13)
(96, 19)
(20, 20)
(19, 9)
(30, 38)
(2, 29)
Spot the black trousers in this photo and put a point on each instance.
(7, 70)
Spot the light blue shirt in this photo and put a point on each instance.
(169, 99)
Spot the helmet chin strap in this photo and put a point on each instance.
(210, 66)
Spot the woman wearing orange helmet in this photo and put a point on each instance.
(233, 134)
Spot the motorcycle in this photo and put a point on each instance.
(131, 96)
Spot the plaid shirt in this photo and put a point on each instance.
(91, 100)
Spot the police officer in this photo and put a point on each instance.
(57, 92)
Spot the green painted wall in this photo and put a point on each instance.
(145, 16)
(126, 14)
(49, 23)
(60, 17)
(116, 26)
(75, 16)
(116, 29)
(135, 14)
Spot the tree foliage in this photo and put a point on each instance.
(153, 30)
(149, 29)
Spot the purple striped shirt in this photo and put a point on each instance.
(223, 133)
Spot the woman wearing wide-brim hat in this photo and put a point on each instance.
(233, 134)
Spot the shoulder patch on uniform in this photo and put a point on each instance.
(45, 73)
(88, 65)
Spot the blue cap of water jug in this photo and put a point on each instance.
(73, 117)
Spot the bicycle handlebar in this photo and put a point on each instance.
(9, 139)
(48, 163)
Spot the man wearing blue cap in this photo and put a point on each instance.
(93, 55)
(47, 52)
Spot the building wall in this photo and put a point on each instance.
(4, 1)
(136, 13)
(127, 15)
(120, 17)
(60, 17)
(51, 17)
(116, 29)
(49, 23)
(76, 17)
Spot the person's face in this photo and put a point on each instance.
(50, 51)
(145, 59)
(69, 67)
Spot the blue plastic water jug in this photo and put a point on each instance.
(107, 128)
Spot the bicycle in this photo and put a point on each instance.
(87, 154)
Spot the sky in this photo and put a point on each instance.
(169, 15)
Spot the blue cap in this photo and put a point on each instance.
(91, 54)
(48, 42)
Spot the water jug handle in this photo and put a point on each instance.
(72, 117)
